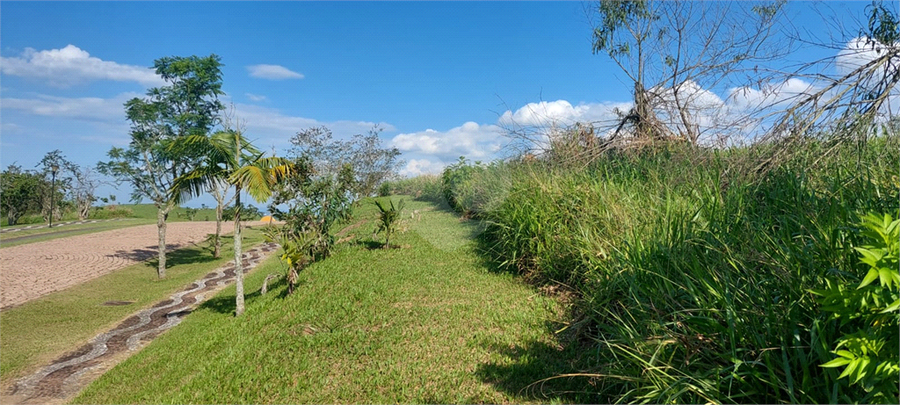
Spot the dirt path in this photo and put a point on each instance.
(36, 269)
(59, 381)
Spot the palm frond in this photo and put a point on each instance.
(195, 183)
(255, 180)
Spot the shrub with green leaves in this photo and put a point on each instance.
(869, 349)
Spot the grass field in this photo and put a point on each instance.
(44, 234)
(144, 211)
(39, 331)
(427, 322)
(137, 214)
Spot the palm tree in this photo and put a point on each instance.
(232, 160)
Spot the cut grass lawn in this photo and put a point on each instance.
(41, 330)
(141, 214)
(427, 322)
(45, 234)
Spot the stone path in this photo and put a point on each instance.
(32, 270)
(69, 374)
(57, 225)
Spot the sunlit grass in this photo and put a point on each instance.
(45, 234)
(428, 322)
(39, 331)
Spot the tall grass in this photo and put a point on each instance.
(694, 278)
(426, 187)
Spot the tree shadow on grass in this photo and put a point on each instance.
(226, 304)
(538, 371)
(369, 244)
(190, 255)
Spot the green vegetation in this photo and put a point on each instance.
(45, 234)
(694, 273)
(427, 323)
(37, 332)
(425, 187)
(869, 350)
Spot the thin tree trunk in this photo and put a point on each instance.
(161, 229)
(218, 249)
(238, 268)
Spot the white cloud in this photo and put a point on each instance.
(274, 127)
(80, 108)
(273, 72)
(770, 95)
(255, 97)
(858, 52)
(560, 113)
(72, 65)
(470, 139)
(416, 167)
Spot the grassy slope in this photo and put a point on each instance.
(41, 330)
(425, 323)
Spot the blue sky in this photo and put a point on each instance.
(437, 77)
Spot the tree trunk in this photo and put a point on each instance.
(161, 229)
(218, 249)
(84, 209)
(238, 268)
(12, 216)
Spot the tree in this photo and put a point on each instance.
(854, 93)
(84, 185)
(187, 106)
(79, 182)
(371, 164)
(676, 52)
(18, 190)
(54, 188)
(243, 167)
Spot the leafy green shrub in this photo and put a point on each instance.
(869, 349)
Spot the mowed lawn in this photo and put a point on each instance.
(140, 214)
(35, 333)
(427, 322)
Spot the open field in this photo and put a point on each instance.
(427, 322)
(9, 239)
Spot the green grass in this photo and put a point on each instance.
(45, 234)
(693, 278)
(144, 211)
(41, 330)
(428, 322)
(139, 214)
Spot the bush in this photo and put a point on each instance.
(110, 212)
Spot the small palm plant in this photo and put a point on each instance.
(298, 251)
(388, 219)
